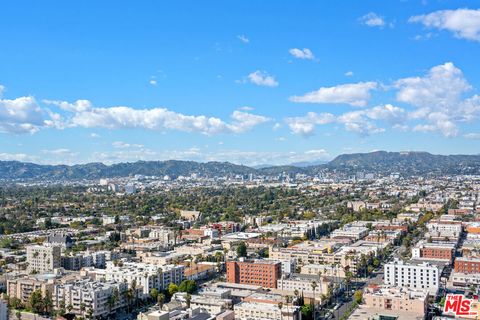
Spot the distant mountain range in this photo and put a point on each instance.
(405, 163)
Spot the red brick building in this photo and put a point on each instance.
(467, 265)
(437, 251)
(259, 272)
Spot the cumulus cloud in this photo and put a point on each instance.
(372, 19)
(77, 106)
(262, 78)
(361, 122)
(20, 115)
(356, 121)
(162, 119)
(305, 125)
(463, 23)
(2, 89)
(442, 86)
(439, 98)
(349, 74)
(304, 53)
(354, 94)
(243, 38)
(15, 157)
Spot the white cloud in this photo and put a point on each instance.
(388, 112)
(2, 90)
(372, 19)
(153, 82)
(354, 94)
(361, 122)
(20, 115)
(439, 97)
(243, 38)
(246, 108)
(77, 106)
(464, 23)
(304, 53)
(124, 145)
(61, 152)
(94, 135)
(261, 78)
(349, 74)
(442, 87)
(356, 121)
(162, 119)
(15, 157)
(305, 125)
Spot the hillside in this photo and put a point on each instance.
(405, 163)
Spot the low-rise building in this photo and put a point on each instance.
(396, 299)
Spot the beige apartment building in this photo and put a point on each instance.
(43, 258)
(396, 299)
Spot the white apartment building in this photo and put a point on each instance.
(91, 294)
(261, 311)
(303, 283)
(445, 227)
(146, 276)
(43, 258)
(413, 275)
(165, 236)
(353, 232)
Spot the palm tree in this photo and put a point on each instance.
(133, 286)
(314, 286)
(161, 300)
(82, 308)
(280, 305)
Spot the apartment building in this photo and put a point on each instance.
(22, 288)
(467, 265)
(413, 274)
(89, 296)
(303, 283)
(264, 273)
(260, 311)
(435, 251)
(396, 299)
(80, 260)
(146, 276)
(43, 258)
(352, 232)
(323, 269)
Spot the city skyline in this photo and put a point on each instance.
(263, 84)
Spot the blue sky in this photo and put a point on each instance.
(251, 82)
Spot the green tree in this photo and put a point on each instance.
(161, 300)
(358, 296)
(36, 302)
(172, 289)
(189, 286)
(154, 294)
(242, 249)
